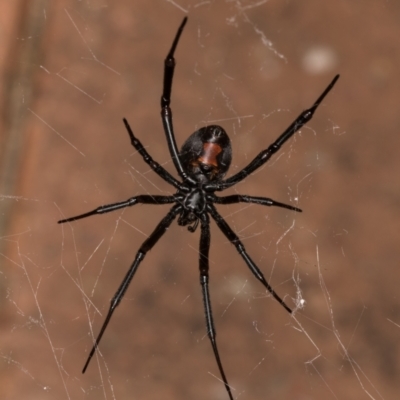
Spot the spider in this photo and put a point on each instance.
(202, 163)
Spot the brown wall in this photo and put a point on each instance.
(71, 70)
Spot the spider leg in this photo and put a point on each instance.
(169, 67)
(155, 166)
(148, 244)
(204, 267)
(234, 239)
(242, 198)
(166, 113)
(143, 199)
(265, 155)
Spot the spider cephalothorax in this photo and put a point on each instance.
(201, 164)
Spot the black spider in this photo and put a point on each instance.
(202, 164)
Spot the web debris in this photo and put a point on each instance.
(357, 370)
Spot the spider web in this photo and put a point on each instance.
(249, 66)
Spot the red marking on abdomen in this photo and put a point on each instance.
(210, 153)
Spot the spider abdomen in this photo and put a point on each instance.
(206, 155)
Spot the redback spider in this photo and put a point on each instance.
(202, 163)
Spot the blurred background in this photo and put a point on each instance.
(71, 70)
